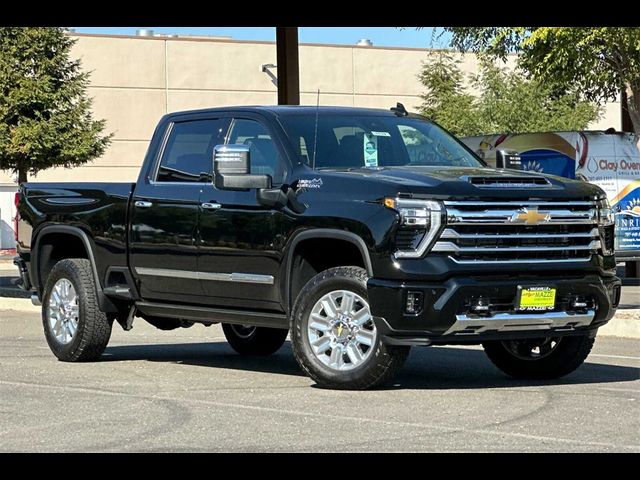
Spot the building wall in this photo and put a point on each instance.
(136, 80)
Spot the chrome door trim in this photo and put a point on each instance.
(212, 276)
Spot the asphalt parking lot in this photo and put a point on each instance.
(186, 390)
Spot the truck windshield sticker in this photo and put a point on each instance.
(381, 134)
(370, 150)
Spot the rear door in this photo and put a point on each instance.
(165, 211)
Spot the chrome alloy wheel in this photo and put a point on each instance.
(532, 349)
(243, 331)
(341, 330)
(63, 311)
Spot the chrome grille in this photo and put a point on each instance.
(519, 231)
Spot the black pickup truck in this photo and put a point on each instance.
(360, 232)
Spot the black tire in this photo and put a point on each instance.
(378, 368)
(254, 340)
(94, 328)
(566, 356)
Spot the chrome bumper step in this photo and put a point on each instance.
(512, 322)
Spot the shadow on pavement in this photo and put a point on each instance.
(433, 368)
(213, 354)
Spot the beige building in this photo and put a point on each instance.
(136, 80)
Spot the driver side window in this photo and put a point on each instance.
(265, 159)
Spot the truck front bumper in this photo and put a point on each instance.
(448, 313)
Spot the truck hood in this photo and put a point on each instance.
(467, 181)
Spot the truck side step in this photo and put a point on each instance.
(214, 315)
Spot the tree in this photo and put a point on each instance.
(45, 113)
(445, 100)
(600, 62)
(507, 100)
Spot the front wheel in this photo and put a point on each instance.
(333, 335)
(539, 359)
(249, 340)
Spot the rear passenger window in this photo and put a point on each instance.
(188, 154)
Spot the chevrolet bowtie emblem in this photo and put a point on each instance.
(530, 217)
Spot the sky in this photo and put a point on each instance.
(380, 36)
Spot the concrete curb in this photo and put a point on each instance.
(18, 304)
(626, 324)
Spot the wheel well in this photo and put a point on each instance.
(54, 247)
(317, 254)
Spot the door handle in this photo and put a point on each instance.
(211, 206)
(143, 204)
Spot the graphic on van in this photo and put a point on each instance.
(632, 208)
(549, 161)
(532, 166)
(628, 221)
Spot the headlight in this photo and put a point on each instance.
(605, 214)
(420, 222)
(606, 220)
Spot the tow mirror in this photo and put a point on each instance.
(232, 167)
(508, 159)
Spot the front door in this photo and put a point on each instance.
(164, 216)
(240, 240)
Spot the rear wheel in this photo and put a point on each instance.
(75, 328)
(542, 358)
(333, 335)
(249, 340)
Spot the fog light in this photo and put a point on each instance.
(579, 303)
(616, 296)
(414, 302)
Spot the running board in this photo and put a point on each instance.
(213, 315)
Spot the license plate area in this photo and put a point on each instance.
(535, 299)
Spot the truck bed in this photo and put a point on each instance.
(99, 209)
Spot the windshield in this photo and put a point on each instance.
(351, 141)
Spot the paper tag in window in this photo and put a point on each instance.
(370, 150)
(381, 134)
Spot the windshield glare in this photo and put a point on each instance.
(346, 141)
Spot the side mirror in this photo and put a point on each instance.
(232, 167)
(508, 159)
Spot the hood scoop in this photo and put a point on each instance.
(509, 182)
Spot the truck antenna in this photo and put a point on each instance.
(399, 110)
(315, 134)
